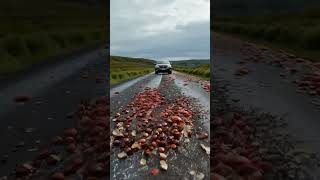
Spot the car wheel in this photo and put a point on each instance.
(170, 72)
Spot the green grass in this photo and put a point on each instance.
(32, 31)
(190, 63)
(125, 68)
(202, 71)
(298, 33)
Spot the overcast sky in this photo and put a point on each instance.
(160, 29)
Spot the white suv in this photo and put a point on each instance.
(163, 66)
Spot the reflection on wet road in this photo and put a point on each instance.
(126, 85)
(155, 82)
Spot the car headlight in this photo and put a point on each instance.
(156, 66)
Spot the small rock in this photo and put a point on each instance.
(154, 172)
(203, 135)
(23, 170)
(161, 149)
(57, 140)
(117, 133)
(71, 148)
(53, 159)
(143, 162)
(199, 176)
(57, 176)
(134, 133)
(71, 132)
(163, 165)
(44, 153)
(163, 156)
(122, 155)
(136, 145)
(207, 149)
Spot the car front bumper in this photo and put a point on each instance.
(163, 69)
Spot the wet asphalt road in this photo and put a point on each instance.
(56, 90)
(264, 89)
(189, 156)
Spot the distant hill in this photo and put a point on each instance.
(128, 61)
(190, 63)
(260, 7)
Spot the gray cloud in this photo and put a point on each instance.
(159, 29)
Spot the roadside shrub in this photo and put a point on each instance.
(202, 71)
(14, 45)
(196, 72)
(114, 76)
(121, 76)
(207, 74)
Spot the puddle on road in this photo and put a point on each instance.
(194, 90)
(127, 85)
(155, 82)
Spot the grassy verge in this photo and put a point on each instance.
(297, 33)
(202, 71)
(18, 52)
(34, 30)
(125, 68)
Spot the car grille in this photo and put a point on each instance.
(163, 66)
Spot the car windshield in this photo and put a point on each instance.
(163, 62)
